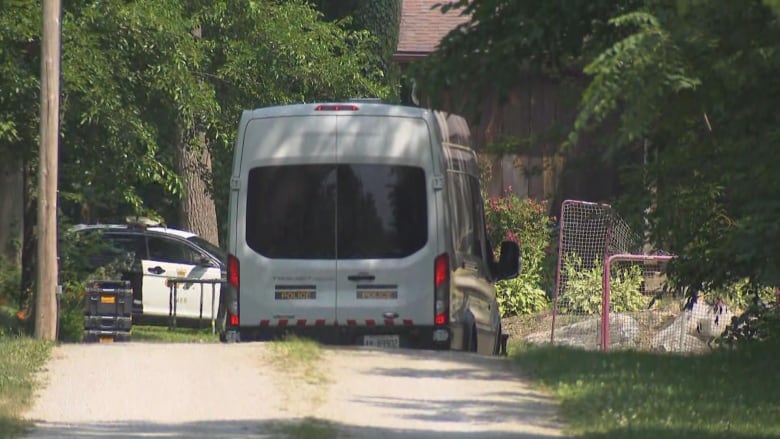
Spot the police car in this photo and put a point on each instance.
(154, 254)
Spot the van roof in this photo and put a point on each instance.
(345, 108)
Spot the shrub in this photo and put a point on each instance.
(759, 323)
(11, 298)
(9, 324)
(584, 288)
(525, 222)
(626, 290)
(76, 268)
(10, 283)
(760, 320)
(520, 296)
(742, 294)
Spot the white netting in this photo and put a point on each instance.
(589, 234)
(643, 313)
(660, 320)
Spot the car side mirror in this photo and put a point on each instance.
(508, 266)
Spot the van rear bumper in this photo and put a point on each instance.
(417, 337)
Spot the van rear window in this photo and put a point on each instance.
(346, 211)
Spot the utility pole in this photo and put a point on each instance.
(47, 267)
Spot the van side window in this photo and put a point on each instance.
(477, 217)
(462, 214)
(480, 247)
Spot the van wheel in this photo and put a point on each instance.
(473, 340)
(497, 344)
(221, 321)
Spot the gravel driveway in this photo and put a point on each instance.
(236, 391)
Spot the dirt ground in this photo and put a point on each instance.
(129, 390)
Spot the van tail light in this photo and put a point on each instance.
(441, 270)
(441, 284)
(336, 107)
(232, 272)
(234, 281)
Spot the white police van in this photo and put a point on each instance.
(361, 223)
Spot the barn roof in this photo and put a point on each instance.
(422, 28)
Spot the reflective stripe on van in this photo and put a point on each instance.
(283, 323)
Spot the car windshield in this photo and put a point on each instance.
(209, 247)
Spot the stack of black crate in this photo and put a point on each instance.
(108, 311)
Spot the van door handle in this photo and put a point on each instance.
(360, 277)
(156, 270)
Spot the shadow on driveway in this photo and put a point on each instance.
(305, 428)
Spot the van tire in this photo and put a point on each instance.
(497, 343)
(221, 321)
(473, 339)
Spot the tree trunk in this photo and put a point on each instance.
(197, 212)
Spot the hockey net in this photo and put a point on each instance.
(609, 295)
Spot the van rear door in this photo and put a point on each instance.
(386, 222)
(287, 246)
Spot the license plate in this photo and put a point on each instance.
(382, 341)
(107, 299)
(105, 339)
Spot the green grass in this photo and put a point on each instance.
(641, 395)
(302, 370)
(20, 358)
(308, 428)
(298, 357)
(149, 333)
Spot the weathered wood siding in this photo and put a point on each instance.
(538, 114)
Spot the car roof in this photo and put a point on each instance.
(124, 227)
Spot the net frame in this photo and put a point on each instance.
(591, 232)
(607, 279)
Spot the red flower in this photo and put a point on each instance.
(493, 202)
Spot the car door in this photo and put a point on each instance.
(473, 292)
(286, 222)
(386, 224)
(485, 306)
(170, 258)
(131, 248)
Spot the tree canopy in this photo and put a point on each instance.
(136, 73)
(692, 86)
